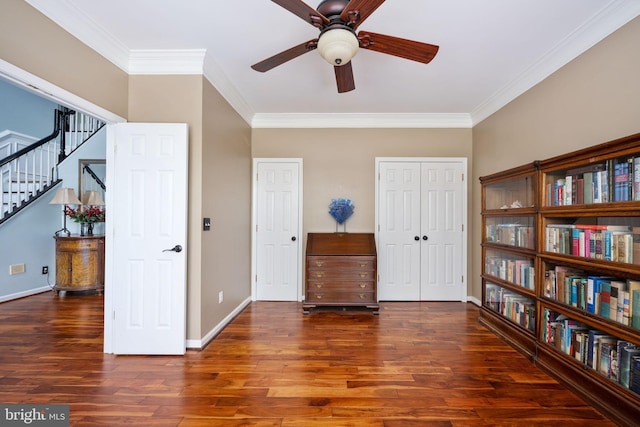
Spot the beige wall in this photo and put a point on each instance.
(219, 188)
(178, 99)
(226, 199)
(341, 163)
(34, 43)
(593, 99)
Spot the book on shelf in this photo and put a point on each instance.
(616, 300)
(625, 351)
(592, 345)
(632, 285)
(635, 314)
(607, 354)
(634, 376)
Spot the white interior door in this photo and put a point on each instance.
(441, 236)
(277, 231)
(146, 278)
(399, 230)
(420, 212)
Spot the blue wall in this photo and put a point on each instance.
(24, 112)
(28, 237)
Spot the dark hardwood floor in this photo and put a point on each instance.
(416, 364)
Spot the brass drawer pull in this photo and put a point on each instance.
(363, 275)
(363, 285)
(319, 296)
(362, 296)
(319, 263)
(364, 264)
(319, 285)
(320, 274)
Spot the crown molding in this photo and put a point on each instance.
(214, 74)
(613, 16)
(381, 120)
(166, 61)
(85, 29)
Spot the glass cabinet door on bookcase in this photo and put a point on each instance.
(589, 268)
(509, 241)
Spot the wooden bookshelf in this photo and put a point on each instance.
(509, 256)
(586, 253)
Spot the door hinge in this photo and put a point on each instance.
(462, 226)
(463, 177)
(462, 279)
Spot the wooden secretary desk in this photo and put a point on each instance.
(341, 270)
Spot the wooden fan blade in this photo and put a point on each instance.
(357, 11)
(344, 77)
(285, 56)
(304, 11)
(408, 49)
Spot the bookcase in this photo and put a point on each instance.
(586, 257)
(509, 220)
(589, 272)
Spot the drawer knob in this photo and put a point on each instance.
(319, 264)
(363, 285)
(319, 285)
(319, 296)
(363, 264)
(320, 274)
(363, 275)
(362, 296)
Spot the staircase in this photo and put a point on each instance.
(28, 168)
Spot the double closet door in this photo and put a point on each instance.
(421, 213)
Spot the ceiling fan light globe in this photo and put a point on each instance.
(338, 46)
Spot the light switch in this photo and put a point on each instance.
(206, 224)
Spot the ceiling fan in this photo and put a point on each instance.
(338, 42)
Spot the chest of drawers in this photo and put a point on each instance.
(341, 270)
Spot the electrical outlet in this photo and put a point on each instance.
(45, 269)
(220, 297)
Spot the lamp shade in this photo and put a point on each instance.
(92, 198)
(65, 196)
(337, 46)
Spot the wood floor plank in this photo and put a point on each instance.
(414, 364)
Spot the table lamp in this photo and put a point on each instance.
(64, 196)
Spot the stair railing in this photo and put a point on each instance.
(29, 172)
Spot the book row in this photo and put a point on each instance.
(615, 359)
(616, 180)
(511, 234)
(608, 297)
(618, 243)
(518, 271)
(511, 305)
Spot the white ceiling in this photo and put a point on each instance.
(491, 51)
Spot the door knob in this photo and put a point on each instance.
(416, 238)
(293, 239)
(176, 248)
(425, 238)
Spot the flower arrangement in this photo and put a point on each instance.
(85, 214)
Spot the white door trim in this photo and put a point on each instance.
(465, 222)
(254, 221)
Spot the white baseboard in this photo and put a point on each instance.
(23, 294)
(474, 300)
(201, 343)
